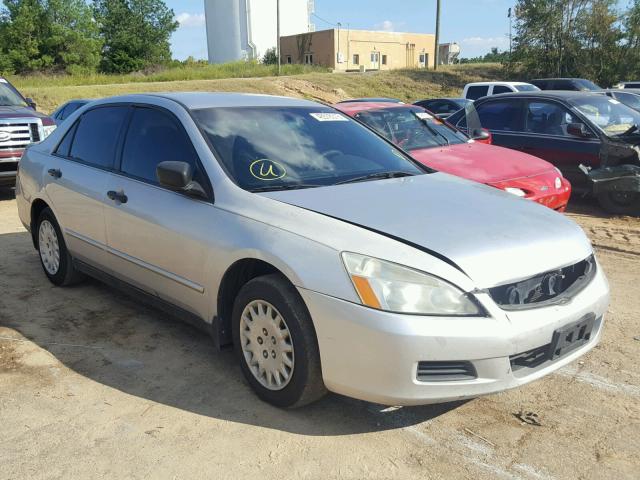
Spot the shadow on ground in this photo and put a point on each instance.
(111, 339)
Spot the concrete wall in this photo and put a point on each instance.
(357, 48)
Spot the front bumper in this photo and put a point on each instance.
(374, 355)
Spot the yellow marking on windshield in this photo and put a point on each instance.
(267, 170)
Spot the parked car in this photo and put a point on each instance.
(373, 99)
(20, 125)
(442, 147)
(624, 85)
(630, 97)
(591, 138)
(328, 257)
(473, 91)
(573, 84)
(66, 109)
(443, 107)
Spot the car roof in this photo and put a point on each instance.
(354, 107)
(198, 100)
(553, 94)
(454, 99)
(479, 84)
(372, 99)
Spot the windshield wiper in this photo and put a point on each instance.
(629, 131)
(377, 176)
(433, 130)
(292, 186)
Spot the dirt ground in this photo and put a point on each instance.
(94, 385)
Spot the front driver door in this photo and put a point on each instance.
(156, 237)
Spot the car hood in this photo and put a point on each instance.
(19, 112)
(491, 236)
(482, 163)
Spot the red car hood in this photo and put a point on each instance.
(482, 163)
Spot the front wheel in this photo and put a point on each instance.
(276, 343)
(621, 203)
(54, 256)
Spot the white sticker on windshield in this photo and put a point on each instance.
(614, 101)
(2, 80)
(329, 117)
(424, 116)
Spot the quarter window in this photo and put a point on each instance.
(65, 145)
(500, 116)
(155, 137)
(97, 135)
(548, 118)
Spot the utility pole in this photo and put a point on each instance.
(437, 34)
(338, 53)
(510, 35)
(278, 33)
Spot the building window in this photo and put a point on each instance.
(308, 58)
(356, 59)
(384, 59)
(289, 59)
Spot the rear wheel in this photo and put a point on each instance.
(622, 203)
(276, 344)
(54, 256)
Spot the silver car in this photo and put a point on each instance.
(329, 258)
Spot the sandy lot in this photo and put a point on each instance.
(93, 385)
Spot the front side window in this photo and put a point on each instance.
(500, 116)
(548, 118)
(97, 135)
(154, 137)
(608, 114)
(411, 128)
(478, 91)
(275, 148)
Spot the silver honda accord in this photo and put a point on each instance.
(325, 255)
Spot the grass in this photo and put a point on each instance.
(299, 81)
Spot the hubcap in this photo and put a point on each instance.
(266, 344)
(49, 248)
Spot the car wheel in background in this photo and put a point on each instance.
(622, 203)
(54, 256)
(276, 343)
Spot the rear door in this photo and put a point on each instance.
(154, 234)
(77, 179)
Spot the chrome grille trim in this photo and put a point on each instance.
(21, 131)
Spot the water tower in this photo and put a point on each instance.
(246, 29)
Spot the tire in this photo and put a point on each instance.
(621, 203)
(62, 272)
(304, 384)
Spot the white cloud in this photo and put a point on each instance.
(486, 42)
(190, 19)
(388, 26)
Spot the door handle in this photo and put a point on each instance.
(117, 196)
(55, 173)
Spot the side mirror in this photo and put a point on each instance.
(178, 176)
(30, 102)
(579, 130)
(482, 135)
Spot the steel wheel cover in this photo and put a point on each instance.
(266, 345)
(49, 247)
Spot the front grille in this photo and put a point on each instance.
(445, 371)
(16, 134)
(546, 287)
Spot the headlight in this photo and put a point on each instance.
(394, 288)
(515, 191)
(48, 130)
(558, 183)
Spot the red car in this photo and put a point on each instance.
(439, 145)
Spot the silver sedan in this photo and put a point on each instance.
(325, 255)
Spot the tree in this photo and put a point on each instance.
(270, 56)
(135, 33)
(21, 35)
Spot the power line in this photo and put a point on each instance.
(323, 20)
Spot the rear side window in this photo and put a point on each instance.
(501, 116)
(498, 89)
(564, 85)
(69, 109)
(153, 137)
(97, 135)
(632, 85)
(478, 91)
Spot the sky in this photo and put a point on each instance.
(477, 25)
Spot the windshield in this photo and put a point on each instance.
(527, 88)
(283, 147)
(611, 116)
(411, 128)
(9, 97)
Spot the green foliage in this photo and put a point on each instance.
(270, 57)
(592, 39)
(495, 56)
(135, 32)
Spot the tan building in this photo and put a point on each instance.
(346, 50)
